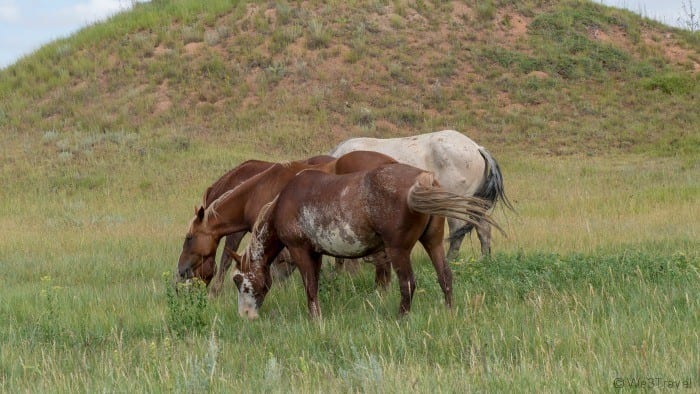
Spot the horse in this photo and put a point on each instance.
(236, 210)
(389, 208)
(232, 178)
(459, 164)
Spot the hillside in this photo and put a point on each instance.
(547, 77)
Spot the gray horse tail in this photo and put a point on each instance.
(491, 190)
(428, 198)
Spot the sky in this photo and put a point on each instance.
(26, 25)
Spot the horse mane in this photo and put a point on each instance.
(212, 211)
(263, 216)
(255, 247)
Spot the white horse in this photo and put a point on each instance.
(459, 164)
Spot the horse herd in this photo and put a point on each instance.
(369, 197)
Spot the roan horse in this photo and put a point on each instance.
(389, 208)
(236, 176)
(459, 164)
(236, 210)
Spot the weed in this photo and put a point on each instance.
(671, 83)
(187, 310)
(49, 321)
(318, 35)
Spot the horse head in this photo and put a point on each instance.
(199, 246)
(253, 281)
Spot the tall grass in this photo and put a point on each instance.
(596, 280)
(112, 135)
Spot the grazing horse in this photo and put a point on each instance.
(459, 164)
(231, 179)
(389, 208)
(236, 210)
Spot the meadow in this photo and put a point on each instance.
(596, 280)
(110, 137)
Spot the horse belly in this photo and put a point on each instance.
(332, 235)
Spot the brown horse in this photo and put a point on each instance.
(237, 210)
(228, 181)
(389, 208)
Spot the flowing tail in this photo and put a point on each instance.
(428, 198)
(492, 189)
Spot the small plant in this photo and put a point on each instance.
(49, 327)
(671, 83)
(318, 36)
(485, 11)
(187, 306)
(690, 19)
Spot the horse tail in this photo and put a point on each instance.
(425, 196)
(492, 189)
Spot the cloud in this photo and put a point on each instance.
(9, 12)
(98, 9)
(93, 10)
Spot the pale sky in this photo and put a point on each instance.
(26, 25)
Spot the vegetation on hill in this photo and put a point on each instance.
(111, 135)
(555, 77)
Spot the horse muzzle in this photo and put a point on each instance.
(185, 273)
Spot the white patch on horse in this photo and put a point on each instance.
(247, 306)
(330, 231)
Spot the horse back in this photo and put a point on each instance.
(233, 178)
(452, 156)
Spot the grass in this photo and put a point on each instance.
(596, 280)
(112, 135)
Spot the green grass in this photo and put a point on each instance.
(557, 322)
(111, 136)
(597, 279)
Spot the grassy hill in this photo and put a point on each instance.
(556, 77)
(111, 135)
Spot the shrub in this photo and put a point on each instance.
(318, 36)
(671, 83)
(187, 306)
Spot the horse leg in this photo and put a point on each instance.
(455, 240)
(382, 269)
(401, 261)
(282, 266)
(432, 242)
(231, 243)
(350, 266)
(309, 265)
(483, 231)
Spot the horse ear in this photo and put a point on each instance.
(204, 197)
(200, 213)
(238, 280)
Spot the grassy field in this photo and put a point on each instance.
(111, 136)
(597, 280)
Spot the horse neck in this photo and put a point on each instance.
(237, 209)
(264, 244)
(226, 214)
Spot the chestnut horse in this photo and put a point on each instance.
(236, 211)
(389, 208)
(459, 164)
(228, 181)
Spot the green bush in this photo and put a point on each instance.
(671, 83)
